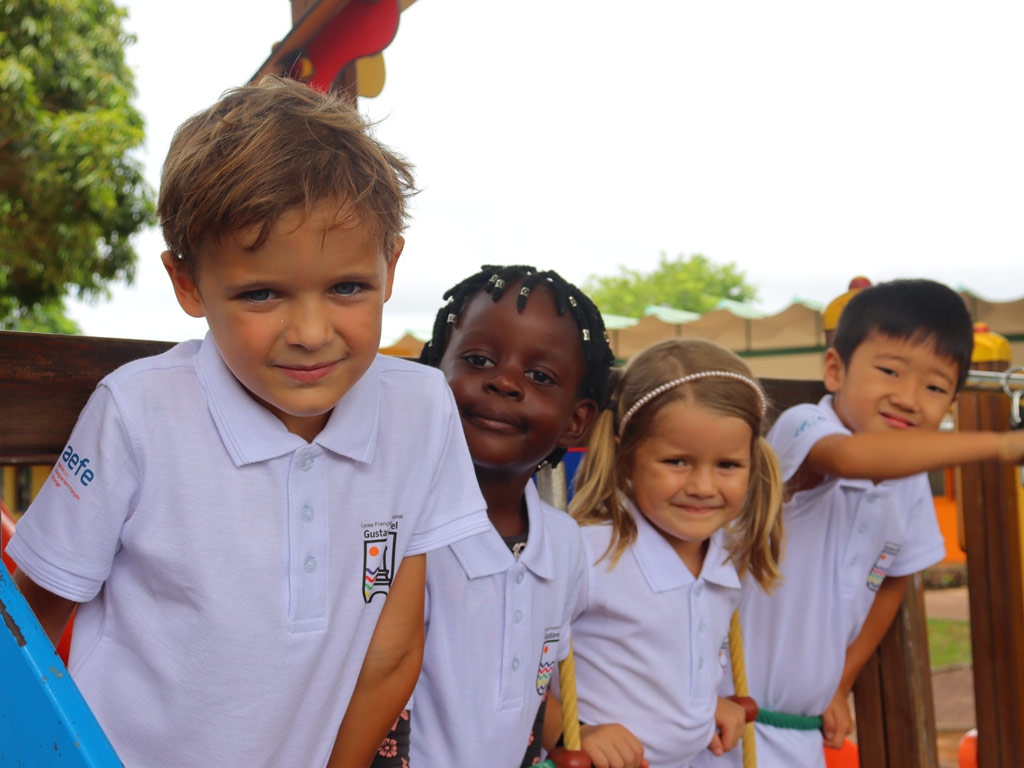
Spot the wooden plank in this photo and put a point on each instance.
(906, 689)
(893, 694)
(992, 539)
(868, 702)
(45, 380)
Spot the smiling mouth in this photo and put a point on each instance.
(896, 422)
(696, 509)
(494, 422)
(308, 374)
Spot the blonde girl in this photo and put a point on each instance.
(678, 497)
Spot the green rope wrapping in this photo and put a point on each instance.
(793, 722)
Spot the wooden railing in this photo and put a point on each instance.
(46, 379)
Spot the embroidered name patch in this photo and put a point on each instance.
(881, 566)
(378, 563)
(546, 668)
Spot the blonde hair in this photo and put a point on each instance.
(264, 149)
(602, 487)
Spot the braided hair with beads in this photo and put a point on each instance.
(597, 352)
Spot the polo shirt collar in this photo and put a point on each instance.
(830, 414)
(664, 570)
(486, 554)
(251, 433)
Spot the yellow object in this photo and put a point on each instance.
(830, 315)
(570, 715)
(370, 75)
(988, 346)
(739, 684)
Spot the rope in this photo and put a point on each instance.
(739, 682)
(570, 716)
(793, 722)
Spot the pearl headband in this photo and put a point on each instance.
(693, 377)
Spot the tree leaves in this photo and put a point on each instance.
(695, 284)
(71, 191)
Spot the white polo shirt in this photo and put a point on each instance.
(649, 642)
(230, 574)
(496, 628)
(842, 538)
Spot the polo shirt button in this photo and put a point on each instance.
(700, 663)
(863, 527)
(518, 617)
(307, 513)
(307, 462)
(700, 590)
(519, 577)
(515, 663)
(702, 626)
(309, 564)
(871, 498)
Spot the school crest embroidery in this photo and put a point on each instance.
(378, 564)
(881, 566)
(723, 653)
(546, 668)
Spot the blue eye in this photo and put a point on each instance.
(347, 289)
(258, 296)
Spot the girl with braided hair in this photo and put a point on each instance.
(527, 358)
(678, 496)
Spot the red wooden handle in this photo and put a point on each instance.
(569, 758)
(749, 706)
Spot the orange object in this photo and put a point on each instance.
(967, 752)
(848, 756)
(830, 315)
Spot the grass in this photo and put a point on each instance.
(949, 643)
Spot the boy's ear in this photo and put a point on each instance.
(392, 261)
(184, 286)
(583, 414)
(834, 370)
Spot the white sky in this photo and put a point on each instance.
(805, 141)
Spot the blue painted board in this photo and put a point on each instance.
(44, 721)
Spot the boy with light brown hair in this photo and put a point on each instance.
(248, 554)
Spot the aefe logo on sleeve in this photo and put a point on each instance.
(72, 471)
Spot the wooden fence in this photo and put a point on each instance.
(45, 381)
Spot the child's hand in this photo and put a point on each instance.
(730, 718)
(1011, 447)
(612, 746)
(837, 722)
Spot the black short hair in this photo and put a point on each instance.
(598, 357)
(917, 310)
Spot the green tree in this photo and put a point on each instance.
(695, 284)
(71, 191)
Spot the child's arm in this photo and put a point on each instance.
(52, 611)
(730, 718)
(883, 455)
(389, 671)
(605, 745)
(837, 721)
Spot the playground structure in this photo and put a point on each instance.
(46, 380)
